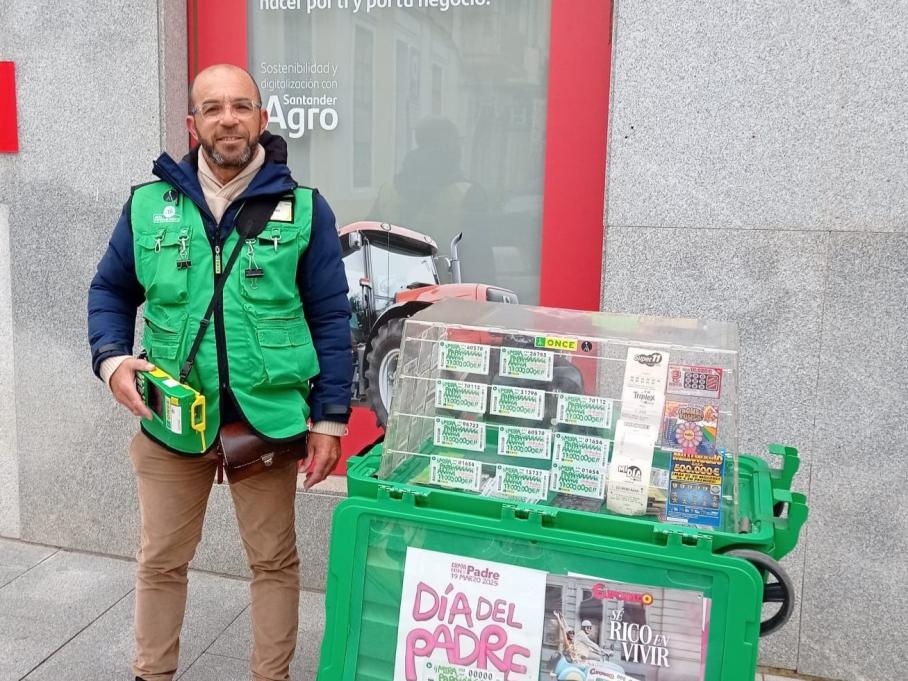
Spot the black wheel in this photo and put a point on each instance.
(780, 591)
(382, 367)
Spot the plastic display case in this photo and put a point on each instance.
(604, 413)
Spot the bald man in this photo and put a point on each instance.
(276, 358)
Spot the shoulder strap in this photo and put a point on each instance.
(249, 223)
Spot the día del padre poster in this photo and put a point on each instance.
(460, 614)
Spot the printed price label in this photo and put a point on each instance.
(581, 450)
(525, 403)
(537, 365)
(527, 483)
(470, 435)
(583, 410)
(461, 396)
(455, 473)
(467, 357)
(579, 480)
(528, 442)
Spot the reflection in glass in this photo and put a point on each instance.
(441, 121)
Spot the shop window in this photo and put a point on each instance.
(431, 120)
(362, 107)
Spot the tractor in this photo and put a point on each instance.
(392, 274)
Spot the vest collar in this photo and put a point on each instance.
(273, 178)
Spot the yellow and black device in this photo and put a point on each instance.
(177, 410)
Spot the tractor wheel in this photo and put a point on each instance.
(382, 362)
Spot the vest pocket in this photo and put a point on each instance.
(274, 256)
(163, 336)
(161, 253)
(286, 353)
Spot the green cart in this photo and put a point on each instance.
(383, 521)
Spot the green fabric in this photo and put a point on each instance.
(270, 357)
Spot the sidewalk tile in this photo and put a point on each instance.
(237, 640)
(48, 605)
(17, 557)
(217, 668)
(105, 649)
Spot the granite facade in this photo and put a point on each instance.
(9, 458)
(757, 174)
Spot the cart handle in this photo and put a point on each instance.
(791, 462)
(790, 513)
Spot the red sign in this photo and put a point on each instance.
(9, 137)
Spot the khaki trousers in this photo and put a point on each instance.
(173, 496)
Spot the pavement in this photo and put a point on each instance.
(67, 616)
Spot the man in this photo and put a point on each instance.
(586, 648)
(257, 361)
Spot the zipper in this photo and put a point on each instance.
(219, 334)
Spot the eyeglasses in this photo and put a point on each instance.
(241, 108)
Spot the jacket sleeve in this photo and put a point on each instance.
(113, 297)
(323, 290)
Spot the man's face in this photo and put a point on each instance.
(223, 123)
(587, 630)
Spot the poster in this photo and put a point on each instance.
(465, 618)
(460, 615)
(600, 629)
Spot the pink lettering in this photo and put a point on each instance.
(511, 622)
(463, 647)
(420, 643)
(460, 606)
(420, 615)
(483, 609)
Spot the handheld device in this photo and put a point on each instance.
(175, 407)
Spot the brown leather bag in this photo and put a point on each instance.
(242, 453)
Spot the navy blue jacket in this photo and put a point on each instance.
(116, 293)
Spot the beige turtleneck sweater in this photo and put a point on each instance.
(218, 197)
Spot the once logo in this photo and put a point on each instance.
(553, 343)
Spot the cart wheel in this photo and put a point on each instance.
(780, 591)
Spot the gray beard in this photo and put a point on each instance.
(222, 162)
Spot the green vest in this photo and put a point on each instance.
(262, 336)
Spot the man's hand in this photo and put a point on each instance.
(123, 386)
(324, 451)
